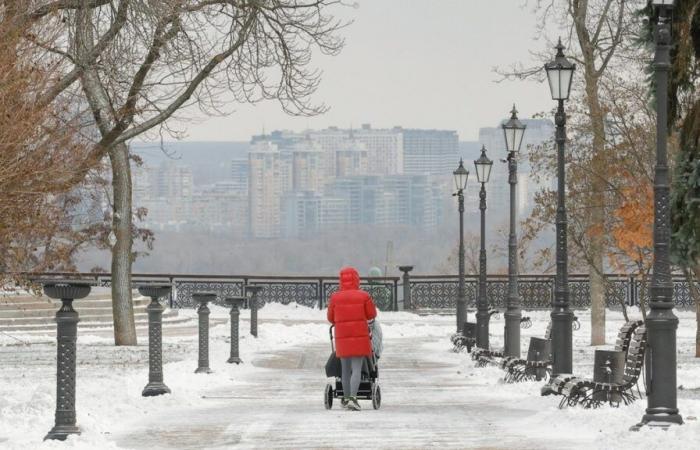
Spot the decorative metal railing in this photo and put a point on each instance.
(307, 291)
(426, 291)
(536, 291)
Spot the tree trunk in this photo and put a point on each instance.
(597, 291)
(597, 213)
(101, 107)
(122, 303)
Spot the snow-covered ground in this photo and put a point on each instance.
(431, 396)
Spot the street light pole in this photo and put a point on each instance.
(461, 297)
(460, 176)
(560, 74)
(513, 313)
(661, 322)
(562, 317)
(514, 131)
(483, 170)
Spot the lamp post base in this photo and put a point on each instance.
(482, 329)
(61, 432)
(511, 342)
(662, 420)
(155, 388)
(562, 341)
(234, 360)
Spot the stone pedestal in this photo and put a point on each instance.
(155, 385)
(236, 303)
(66, 337)
(203, 298)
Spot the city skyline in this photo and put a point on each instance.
(288, 184)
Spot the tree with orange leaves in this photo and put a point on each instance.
(632, 233)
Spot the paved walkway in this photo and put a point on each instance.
(426, 403)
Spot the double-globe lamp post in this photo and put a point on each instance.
(513, 130)
(661, 323)
(560, 72)
(483, 172)
(460, 176)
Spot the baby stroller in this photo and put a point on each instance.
(369, 386)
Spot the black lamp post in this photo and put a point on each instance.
(483, 167)
(513, 131)
(560, 73)
(661, 323)
(461, 175)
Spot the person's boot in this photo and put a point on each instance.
(353, 405)
(344, 402)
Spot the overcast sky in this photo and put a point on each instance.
(415, 63)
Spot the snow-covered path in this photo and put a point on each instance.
(426, 403)
(432, 398)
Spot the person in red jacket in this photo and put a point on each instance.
(349, 310)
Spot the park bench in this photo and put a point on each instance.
(632, 340)
(624, 336)
(467, 338)
(484, 357)
(520, 369)
(537, 368)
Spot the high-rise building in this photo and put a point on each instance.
(269, 177)
(330, 140)
(359, 174)
(173, 180)
(434, 152)
(384, 149)
(351, 191)
(307, 166)
(390, 200)
(239, 174)
(216, 210)
(334, 212)
(301, 214)
(165, 192)
(351, 159)
(390, 151)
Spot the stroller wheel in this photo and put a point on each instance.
(376, 396)
(328, 397)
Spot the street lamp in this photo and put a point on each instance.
(661, 323)
(560, 74)
(461, 175)
(483, 172)
(513, 131)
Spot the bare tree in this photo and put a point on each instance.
(158, 58)
(471, 256)
(40, 144)
(594, 31)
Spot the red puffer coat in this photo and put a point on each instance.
(349, 310)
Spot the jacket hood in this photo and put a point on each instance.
(349, 279)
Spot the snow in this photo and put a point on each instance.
(432, 397)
